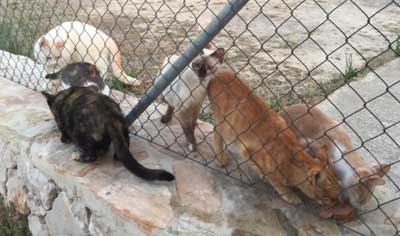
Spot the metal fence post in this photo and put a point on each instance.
(215, 26)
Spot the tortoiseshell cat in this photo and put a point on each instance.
(92, 121)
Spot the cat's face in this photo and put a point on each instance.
(205, 65)
(322, 184)
(51, 54)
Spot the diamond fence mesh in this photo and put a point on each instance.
(338, 56)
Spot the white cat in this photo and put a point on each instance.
(185, 96)
(75, 41)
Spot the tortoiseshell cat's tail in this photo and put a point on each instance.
(123, 155)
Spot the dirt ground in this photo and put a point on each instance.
(293, 49)
(277, 46)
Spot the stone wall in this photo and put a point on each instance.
(62, 197)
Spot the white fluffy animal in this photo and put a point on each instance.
(74, 41)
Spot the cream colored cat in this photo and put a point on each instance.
(356, 176)
(75, 41)
(186, 95)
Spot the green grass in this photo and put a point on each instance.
(116, 84)
(311, 95)
(397, 46)
(206, 116)
(350, 72)
(16, 36)
(277, 103)
(11, 222)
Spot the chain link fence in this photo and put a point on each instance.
(339, 55)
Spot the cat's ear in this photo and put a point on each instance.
(219, 54)
(381, 170)
(375, 178)
(92, 71)
(373, 181)
(43, 42)
(323, 154)
(59, 43)
(50, 98)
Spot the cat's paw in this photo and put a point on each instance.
(192, 147)
(65, 140)
(292, 198)
(80, 157)
(115, 157)
(165, 119)
(76, 156)
(222, 161)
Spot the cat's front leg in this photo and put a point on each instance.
(275, 179)
(166, 118)
(188, 130)
(222, 160)
(84, 157)
(65, 137)
(87, 147)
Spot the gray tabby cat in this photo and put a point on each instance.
(80, 75)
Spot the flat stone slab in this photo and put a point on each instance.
(370, 110)
(103, 197)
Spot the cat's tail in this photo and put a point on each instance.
(116, 65)
(122, 153)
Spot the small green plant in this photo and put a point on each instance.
(206, 116)
(132, 73)
(116, 84)
(278, 103)
(350, 72)
(397, 46)
(11, 222)
(16, 37)
(275, 103)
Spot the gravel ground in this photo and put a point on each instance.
(272, 50)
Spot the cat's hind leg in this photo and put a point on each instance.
(166, 118)
(126, 136)
(276, 178)
(65, 137)
(284, 192)
(222, 160)
(185, 118)
(188, 130)
(264, 165)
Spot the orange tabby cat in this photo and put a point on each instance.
(357, 177)
(243, 119)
